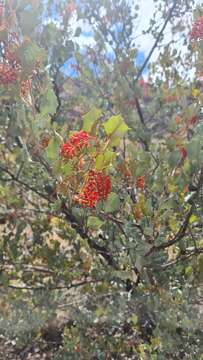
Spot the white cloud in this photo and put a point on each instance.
(143, 41)
(147, 8)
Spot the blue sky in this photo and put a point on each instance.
(87, 38)
(147, 8)
(69, 66)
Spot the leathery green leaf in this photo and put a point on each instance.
(104, 159)
(49, 102)
(94, 222)
(67, 169)
(90, 119)
(113, 203)
(115, 125)
(52, 150)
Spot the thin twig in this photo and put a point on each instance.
(157, 41)
(182, 231)
(49, 288)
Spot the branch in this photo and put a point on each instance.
(57, 93)
(17, 180)
(182, 231)
(69, 216)
(63, 287)
(27, 268)
(137, 104)
(77, 226)
(139, 111)
(157, 41)
(181, 258)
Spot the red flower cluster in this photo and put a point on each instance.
(140, 182)
(8, 75)
(11, 58)
(67, 151)
(80, 139)
(77, 142)
(96, 188)
(197, 29)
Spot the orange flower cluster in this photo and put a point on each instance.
(96, 188)
(77, 142)
(197, 29)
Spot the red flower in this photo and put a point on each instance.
(7, 74)
(78, 141)
(183, 152)
(12, 58)
(68, 151)
(96, 188)
(140, 182)
(193, 120)
(197, 29)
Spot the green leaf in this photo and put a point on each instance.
(193, 218)
(100, 312)
(189, 270)
(90, 119)
(104, 159)
(113, 203)
(94, 222)
(115, 125)
(194, 148)
(174, 158)
(172, 222)
(50, 35)
(134, 319)
(67, 169)
(142, 248)
(49, 102)
(4, 279)
(52, 150)
(30, 54)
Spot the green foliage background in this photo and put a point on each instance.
(124, 280)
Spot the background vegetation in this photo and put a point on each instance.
(101, 180)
